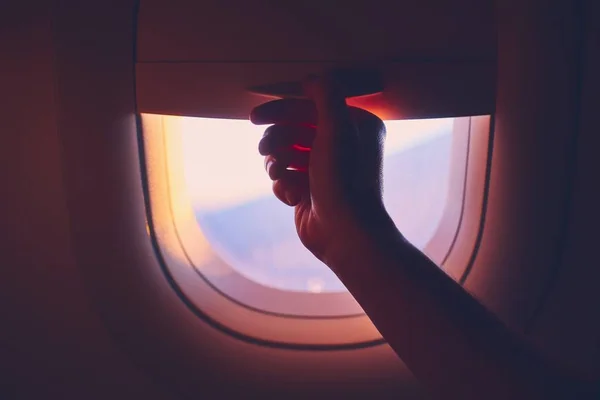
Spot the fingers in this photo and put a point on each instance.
(302, 112)
(332, 111)
(292, 188)
(287, 168)
(278, 137)
(288, 159)
(286, 111)
(274, 169)
(345, 135)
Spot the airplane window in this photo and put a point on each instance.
(254, 233)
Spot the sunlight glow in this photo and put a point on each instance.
(221, 170)
(222, 197)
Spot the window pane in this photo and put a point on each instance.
(252, 231)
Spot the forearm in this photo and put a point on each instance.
(449, 341)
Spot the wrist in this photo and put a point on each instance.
(370, 228)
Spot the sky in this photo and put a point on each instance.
(223, 167)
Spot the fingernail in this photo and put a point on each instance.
(268, 165)
(291, 199)
(252, 117)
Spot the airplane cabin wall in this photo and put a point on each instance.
(52, 343)
(531, 158)
(85, 313)
(567, 325)
(535, 267)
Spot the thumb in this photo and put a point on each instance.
(333, 114)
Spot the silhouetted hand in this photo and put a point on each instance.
(330, 169)
(325, 158)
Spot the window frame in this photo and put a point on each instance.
(217, 291)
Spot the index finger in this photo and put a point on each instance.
(285, 112)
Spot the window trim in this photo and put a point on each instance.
(338, 319)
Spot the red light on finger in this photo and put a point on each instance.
(298, 169)
(300, 148)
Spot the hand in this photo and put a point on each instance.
(325, 159)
